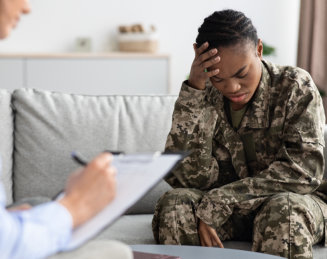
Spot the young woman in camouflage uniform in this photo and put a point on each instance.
(256, 132)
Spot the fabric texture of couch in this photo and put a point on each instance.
(39, 129)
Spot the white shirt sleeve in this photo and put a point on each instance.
(35, 233)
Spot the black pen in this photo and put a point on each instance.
(77, 158)
(82, 161)
(114, 152)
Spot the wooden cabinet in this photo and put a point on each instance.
(94, 74)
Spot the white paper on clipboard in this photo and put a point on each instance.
(136, 175)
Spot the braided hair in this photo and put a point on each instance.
(226, 28)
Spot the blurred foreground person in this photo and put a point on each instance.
(43, 230)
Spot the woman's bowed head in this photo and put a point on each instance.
(228, 53)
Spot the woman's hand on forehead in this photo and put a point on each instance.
(204, 59)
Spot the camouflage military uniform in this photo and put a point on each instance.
(277, 199)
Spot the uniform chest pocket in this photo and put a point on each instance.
(261, 145)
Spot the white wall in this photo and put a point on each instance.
(53, 26)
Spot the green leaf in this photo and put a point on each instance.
(267, 49)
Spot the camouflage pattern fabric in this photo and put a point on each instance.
(287, 225)
(174, 221)
(284, 124)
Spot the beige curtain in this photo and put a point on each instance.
(312, 47)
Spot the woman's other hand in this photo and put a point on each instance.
(21, 207)
(208, 235)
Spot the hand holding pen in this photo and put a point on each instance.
(89, 189)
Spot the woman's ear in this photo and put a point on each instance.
(259, 48)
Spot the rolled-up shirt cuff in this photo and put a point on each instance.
(38, 232)
(211, 213)
(189, 95)
(57, 218)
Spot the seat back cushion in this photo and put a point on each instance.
(50, 125)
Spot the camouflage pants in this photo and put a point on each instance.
(287, 224)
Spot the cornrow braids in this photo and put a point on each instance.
(226, 28)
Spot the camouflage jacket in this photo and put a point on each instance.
(284, 123)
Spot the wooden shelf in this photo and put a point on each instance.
(84, 55)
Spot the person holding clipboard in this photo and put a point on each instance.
(43, 230)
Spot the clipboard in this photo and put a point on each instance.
(136, 175)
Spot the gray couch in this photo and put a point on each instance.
(39, 129)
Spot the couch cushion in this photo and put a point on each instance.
(6, 142)
(136, 229)
(130, 229)
(49, 125)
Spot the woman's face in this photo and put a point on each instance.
(239, 72)
(10, 12)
